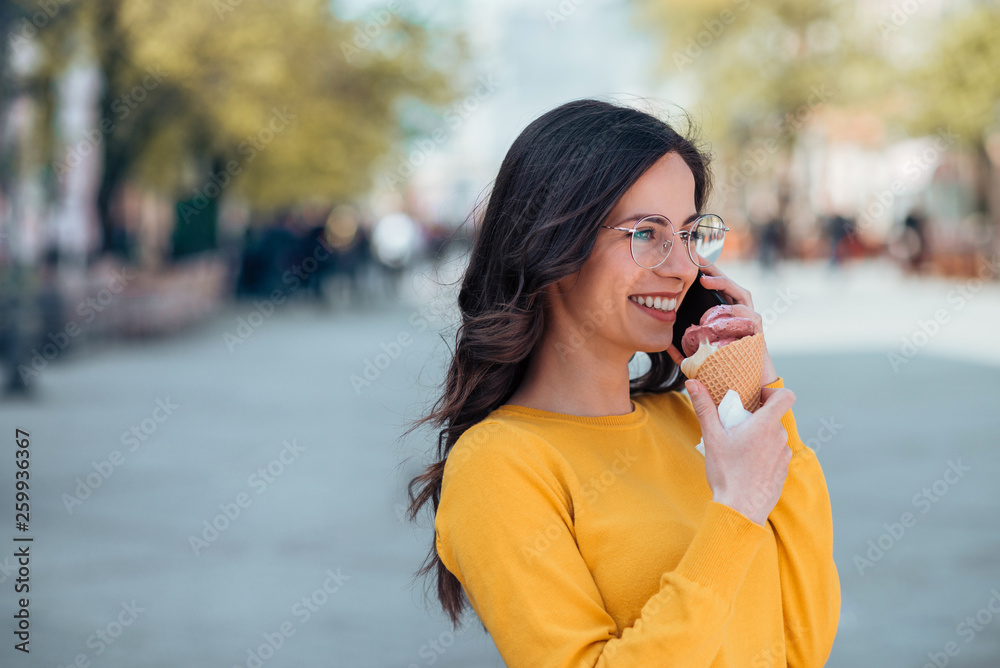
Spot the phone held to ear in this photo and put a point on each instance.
(697, 300)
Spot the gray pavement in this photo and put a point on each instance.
(317, 561)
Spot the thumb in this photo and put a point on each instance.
(776, 401)
(704, 408)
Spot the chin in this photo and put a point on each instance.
(655, 348)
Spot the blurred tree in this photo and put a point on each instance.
(763, 68)
(280, 102)
(956, 88)
(36, 45)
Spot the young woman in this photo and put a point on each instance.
(572, 509)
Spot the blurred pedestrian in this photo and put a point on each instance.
(396, 243)
(915, 239)
(838, 229)
(269, 257)
(350, 265)
(772, 244)
(34, 319)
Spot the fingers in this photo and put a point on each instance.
(675, 354)
(743, 311)
(714, 279)
(776, 400)
(765, 392)
(705, 410)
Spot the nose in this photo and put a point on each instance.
(677, 265)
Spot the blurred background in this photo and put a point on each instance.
(230, 232)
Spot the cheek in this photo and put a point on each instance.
(690, 280)
(607, 279)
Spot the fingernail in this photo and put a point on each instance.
(690, 386)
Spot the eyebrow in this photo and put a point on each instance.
(639, 216)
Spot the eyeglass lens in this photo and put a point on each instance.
(653, 238)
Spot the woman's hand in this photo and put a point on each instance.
(746, 466)
(742, 304)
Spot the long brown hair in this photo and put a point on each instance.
(559, 181)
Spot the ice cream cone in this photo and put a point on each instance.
(737, 366)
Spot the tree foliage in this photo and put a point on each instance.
(238, 67)
(277, 101)
(957, 85)
(756, 64)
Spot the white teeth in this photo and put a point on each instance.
(657, 303)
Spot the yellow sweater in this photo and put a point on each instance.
(593, 541)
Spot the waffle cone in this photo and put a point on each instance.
(735, 366)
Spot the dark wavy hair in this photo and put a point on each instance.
(557, 184)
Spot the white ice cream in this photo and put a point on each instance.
(689, 365)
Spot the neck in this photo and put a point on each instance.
(566, 377)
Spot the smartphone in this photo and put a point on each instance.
(697, 300)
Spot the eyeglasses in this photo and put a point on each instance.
(653, 237)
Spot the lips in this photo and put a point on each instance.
(658, 302)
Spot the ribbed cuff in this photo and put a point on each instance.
(722, 549)
(788, 422)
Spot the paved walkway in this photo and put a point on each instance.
(317, 561)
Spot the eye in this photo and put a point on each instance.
(644, 234)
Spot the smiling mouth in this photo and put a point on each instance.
(658, 303)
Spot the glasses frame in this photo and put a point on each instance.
(686, 238)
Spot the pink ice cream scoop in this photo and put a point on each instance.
(719, 326)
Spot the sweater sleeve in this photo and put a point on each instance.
(803, 529)
(504, 527)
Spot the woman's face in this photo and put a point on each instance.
(595, 307)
